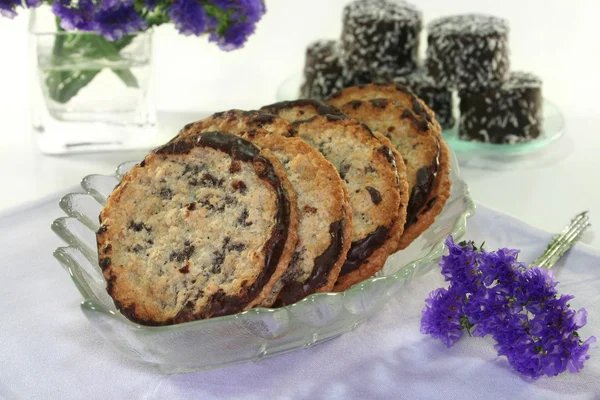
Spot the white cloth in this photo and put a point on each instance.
(48, 350)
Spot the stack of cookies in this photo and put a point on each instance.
(263, 208)
(467, 55)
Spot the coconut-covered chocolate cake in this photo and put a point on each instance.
(511, 113)
(323, 69)
(380, 39)
(438, 98)
(468, 51)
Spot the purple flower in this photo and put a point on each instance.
(532, 325)
(579, 355)
(74, 16)
(487, 309)
(189, 17)
(441, 317)
(33, 3)
(499, 266)
(535, 352)
(151, 4)
(536, 286)
(229, 23)
(580, 318)
(242, 18)
(117, 21)
(460, 265)
(249, 10)
(8, 8)
(234, 37)
(108, 4)
(252, 10)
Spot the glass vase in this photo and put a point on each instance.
(88, 93)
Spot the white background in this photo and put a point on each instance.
(558, 40)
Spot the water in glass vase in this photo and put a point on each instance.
(91, 94)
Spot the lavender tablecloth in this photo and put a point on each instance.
(48, 350)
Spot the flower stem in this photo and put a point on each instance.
(63, 83)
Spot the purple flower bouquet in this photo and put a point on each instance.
(491, 293)
(114, 23)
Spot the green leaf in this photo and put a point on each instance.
(76, 82)
(127, 77)
(110, 51)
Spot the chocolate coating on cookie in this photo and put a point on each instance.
(420, 192)
(303, 109)
(239, 120)
(243, 150)
(294, 291)
(362, 249)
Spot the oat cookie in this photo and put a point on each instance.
(235, 121)
(369, 170)
(325, 216)
(424, 154)
(201, 228)
(397, 93)
(325, 219)
(435, 201)
(302, 110)
(402, 180)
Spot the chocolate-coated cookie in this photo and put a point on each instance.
(369, 170)
(397, 93)
(303, 109)
(180, 240)
(235, 121)
(421, 149)
(325, 215)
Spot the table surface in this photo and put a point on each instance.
(555, 39)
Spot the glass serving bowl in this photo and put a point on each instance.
(251, 335)
(553, 127)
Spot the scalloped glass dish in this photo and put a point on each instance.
(251, 335)
(553, 127)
